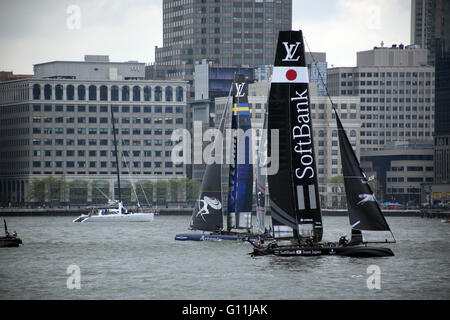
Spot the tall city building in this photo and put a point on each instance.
(442, 92)
(58, 124)
(424, 16)
(396, 92)
(231, 33)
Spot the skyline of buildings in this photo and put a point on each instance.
(391, 89)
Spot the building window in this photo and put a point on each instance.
(125, 93)
(36, 92)
(158, 93)
(70, 92)
(103, 93)
(147, 93)
(81, 92)
(58, 92)
(47, 92)
(179, 94)
(169, 94)
(114, 93)
(92, 92)
(136, 93)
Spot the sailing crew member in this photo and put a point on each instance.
(273, 244)
(261, 244)
(343, 241)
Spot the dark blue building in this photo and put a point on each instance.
(442, 96)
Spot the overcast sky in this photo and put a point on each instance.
(36, 31)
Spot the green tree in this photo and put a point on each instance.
(175, 189)
(99, 190)
(37, 191)
(56, 188)
(161, 191)
(145, 192)
(78, 192)
(192, 190)
(336, 179)
(47, 189)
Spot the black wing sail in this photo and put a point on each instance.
(207, 214)
(293, 191)
(363, 209)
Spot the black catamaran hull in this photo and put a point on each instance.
(359, 251)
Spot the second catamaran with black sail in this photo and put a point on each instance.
(207, 214)
(293, 190)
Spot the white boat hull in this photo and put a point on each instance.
(133, 217)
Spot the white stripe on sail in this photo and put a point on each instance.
(300, 198)
(356, 223)
(283, 231)
(312, 196)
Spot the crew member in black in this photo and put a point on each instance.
(343, 241)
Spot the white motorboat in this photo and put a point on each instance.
(114, 211)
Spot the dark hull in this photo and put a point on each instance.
(10, 242)
(206, 237)
(358, 251)
(233, 236)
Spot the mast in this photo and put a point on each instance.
(293, 191)
(261, 178)
(241, 171)
(117, 154)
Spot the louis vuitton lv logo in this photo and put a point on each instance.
(291, 50)
(239, 90)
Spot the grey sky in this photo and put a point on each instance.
(33, 31)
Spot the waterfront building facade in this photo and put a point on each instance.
(401, 171)
(396, 90)
(60, 126)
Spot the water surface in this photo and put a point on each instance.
(143, 261)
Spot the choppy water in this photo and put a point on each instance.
(143, 261)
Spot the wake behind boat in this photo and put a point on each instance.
(293, 190)
(112, 212)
